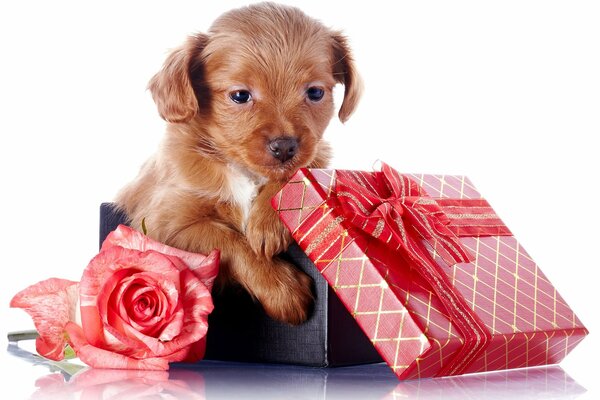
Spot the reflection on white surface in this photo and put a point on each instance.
(220, 380)
(117, 384)
(531, 383)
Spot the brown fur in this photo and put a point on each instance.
(188, 192)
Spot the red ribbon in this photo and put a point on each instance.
(403, 218)
(399, 213)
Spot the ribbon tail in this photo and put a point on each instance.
(473, 330)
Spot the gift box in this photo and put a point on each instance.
(239, 330)
(428, 270)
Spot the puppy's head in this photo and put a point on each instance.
(259, 87)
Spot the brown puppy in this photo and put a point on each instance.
(246, 106)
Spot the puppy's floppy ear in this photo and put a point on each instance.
(172, 87)
(344, 72)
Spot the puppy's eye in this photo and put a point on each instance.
(240, 96)
(315, 93)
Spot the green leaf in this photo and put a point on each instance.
(69, 353)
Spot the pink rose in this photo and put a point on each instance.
(142, 305)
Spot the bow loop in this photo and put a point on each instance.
(397, 211)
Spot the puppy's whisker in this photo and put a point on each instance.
(342, 58)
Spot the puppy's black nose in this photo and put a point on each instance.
(283, 148)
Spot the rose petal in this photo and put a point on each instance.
(51, 304)
(161, 305)
(196, 351)
(98, 280)
(205, 267)
(197, 305)
(144, 308)
(159, 291)
(173, 328)
(100, 358)
(120, 338)
(103, 298)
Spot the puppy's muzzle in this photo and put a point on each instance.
(283, 148)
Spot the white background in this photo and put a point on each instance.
(507, 93)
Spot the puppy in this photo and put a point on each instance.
(246, 106)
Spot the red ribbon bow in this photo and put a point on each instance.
(405, 218)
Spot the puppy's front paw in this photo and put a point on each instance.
(266, 234)
(287, 296)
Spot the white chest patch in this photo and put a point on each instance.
(243, 189)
